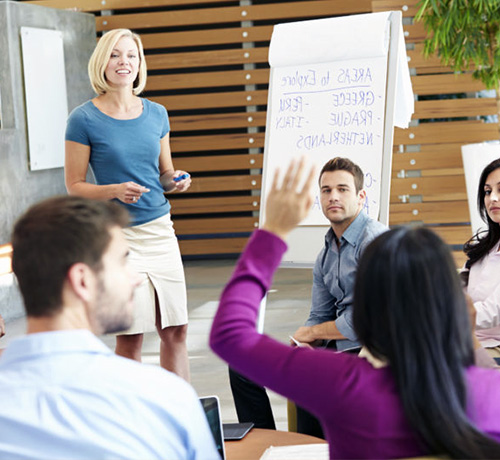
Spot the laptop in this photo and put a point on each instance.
(236, 431)
(211, 407)
(222, 431)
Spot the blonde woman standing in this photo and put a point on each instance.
(125, 139)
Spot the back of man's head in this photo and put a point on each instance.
(52, 236)
(344, 164)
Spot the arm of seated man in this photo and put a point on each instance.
(320, 324)
(314, 334)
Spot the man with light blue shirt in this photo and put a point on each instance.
(342, 200)
(63, 393)
(330, 321)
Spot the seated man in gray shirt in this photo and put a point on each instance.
(342, 200)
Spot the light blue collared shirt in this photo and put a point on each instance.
(334, 274)
(65, 395)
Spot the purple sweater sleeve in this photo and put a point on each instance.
(300, 374)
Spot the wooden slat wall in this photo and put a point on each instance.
(428, 184)
(207, 62)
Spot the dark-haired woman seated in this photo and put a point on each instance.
(418, 393)
(484, 261)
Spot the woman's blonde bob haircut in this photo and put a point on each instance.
(100, 58)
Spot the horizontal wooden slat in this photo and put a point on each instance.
(465, 132)
(224, 184)
(212, 246)
(217, 121)
(219, 162)
(409, 8)
(186, 205)
(430, 213)
(460, 258)
(431, 70)
(206, 37)
(208, 79)
(429, 172)
(426, 65)
(414, 32)
(439, 160)
(446, 188)
(443, 172)
(448, 108)
(220, 225)
(445, 84)
(207, 58)
(310, 9)
(211, 100)
(454, 234)
(430, 156)
(99, 5)
(217, 142)
(419, 61)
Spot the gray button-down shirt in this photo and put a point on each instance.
(334, 274)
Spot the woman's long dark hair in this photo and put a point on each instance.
(485, 240)
(409, 309)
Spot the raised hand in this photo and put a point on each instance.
(286, 206)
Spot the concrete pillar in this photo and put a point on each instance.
(20, 187)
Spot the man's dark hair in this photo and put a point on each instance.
(344, 164)
(52, 236)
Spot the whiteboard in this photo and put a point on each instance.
(326, 110)
(332, 93)
(45, 93)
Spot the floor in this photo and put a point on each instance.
(287, 308)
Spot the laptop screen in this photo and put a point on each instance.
(212, 412)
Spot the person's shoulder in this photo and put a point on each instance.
(155, 108)
(485, 381)
(80, 123)
(81, 113)
(482, 374)
(348, 366)
(373, 228)
(148, 391)
(145, 377)
(484, 387)
(82, 109)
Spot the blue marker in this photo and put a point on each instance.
(178, 179)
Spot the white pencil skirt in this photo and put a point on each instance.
(155, 255)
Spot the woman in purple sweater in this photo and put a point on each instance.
(417, 392)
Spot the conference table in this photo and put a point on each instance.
(254, 444)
